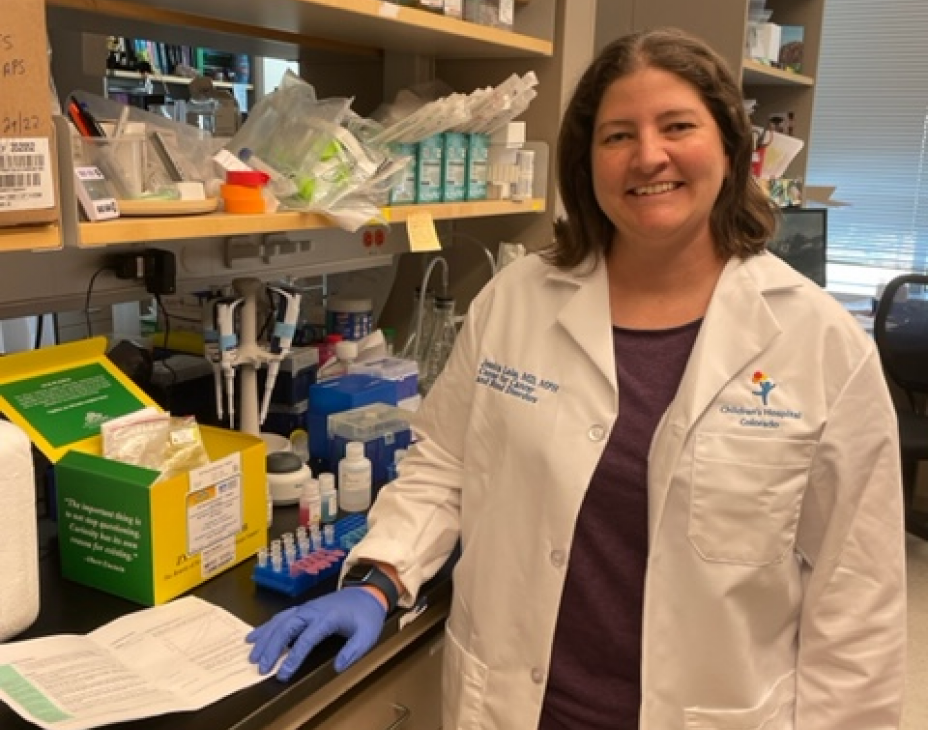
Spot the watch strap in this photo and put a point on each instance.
(373, 576)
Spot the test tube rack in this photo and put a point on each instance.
(297, 565)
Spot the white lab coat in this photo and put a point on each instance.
(775, 591)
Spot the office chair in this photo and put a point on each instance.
(900, 329)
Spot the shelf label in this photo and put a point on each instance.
(25, 174)
(422, 233)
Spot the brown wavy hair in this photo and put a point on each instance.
(743, 218)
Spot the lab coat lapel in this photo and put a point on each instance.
(586, 317)
(738, 326)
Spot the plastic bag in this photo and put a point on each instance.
(184, 449)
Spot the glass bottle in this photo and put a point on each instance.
(412, 350)
(439, 344)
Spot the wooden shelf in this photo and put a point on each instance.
(165, 228)
(759, 74)
(168, 79)
(363, 24)
(30, 238)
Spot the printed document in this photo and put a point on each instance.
(181, 656)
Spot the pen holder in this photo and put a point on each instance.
(120, 159)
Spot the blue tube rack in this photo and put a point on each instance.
(308, 569)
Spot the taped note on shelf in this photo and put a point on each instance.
(422, 233)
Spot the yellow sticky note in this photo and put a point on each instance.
(422, 233)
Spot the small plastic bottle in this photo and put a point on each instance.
(329, 497)
(346, 352)
(354, 479)
(310, 504)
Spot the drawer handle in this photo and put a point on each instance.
(404, 714)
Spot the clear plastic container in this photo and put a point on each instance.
(329, 497)
(310, 503)
(496, 13)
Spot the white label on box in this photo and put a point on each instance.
(217, 557)
(506, 8)
(25, 174)
(214, 503)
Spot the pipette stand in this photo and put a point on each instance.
(249, 354)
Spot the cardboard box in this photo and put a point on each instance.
(454, 167)
(28, 174)
(478, 153)
(120, 530)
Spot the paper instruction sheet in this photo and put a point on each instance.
(180, 656)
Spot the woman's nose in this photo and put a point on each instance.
(651, 152)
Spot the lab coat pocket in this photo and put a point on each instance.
(745, 497)
(775, 712)
(464, 682)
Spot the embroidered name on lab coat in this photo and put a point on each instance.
(760, 417)
(517, 383)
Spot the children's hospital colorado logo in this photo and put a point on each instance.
(764, 385)
(761, 414)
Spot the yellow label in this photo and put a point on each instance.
(422, 233)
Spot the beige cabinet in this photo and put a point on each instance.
(723, 23)
(403, 695)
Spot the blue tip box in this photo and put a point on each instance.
(381, 428)
(342, 394)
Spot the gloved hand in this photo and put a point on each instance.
(351, 612)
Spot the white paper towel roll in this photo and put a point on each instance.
(19, 559)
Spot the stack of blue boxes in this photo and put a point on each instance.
(334, 396)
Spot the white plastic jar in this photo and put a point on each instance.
(286, 475)
(353, 319)
(354, 479)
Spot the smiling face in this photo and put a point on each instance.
(658, 161)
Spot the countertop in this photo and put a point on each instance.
(67, 607)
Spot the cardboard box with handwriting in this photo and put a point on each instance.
(28, 186)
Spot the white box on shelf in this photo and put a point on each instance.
(763, 42)
(512, 135)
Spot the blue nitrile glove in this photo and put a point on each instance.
(352, 612)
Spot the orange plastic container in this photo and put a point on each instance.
(242, 199)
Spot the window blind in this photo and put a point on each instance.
(870, 134)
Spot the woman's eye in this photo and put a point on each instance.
(616, 137)
(680, 127)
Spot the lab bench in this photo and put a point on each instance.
(396, 685)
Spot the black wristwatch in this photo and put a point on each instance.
(365, 574)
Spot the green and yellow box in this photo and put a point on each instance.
(121, 530)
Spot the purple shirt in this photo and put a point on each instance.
(594, 681)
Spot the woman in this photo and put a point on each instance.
(671, 460)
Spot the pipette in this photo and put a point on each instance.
(211, 346)
(228, 348)
(288, 310)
